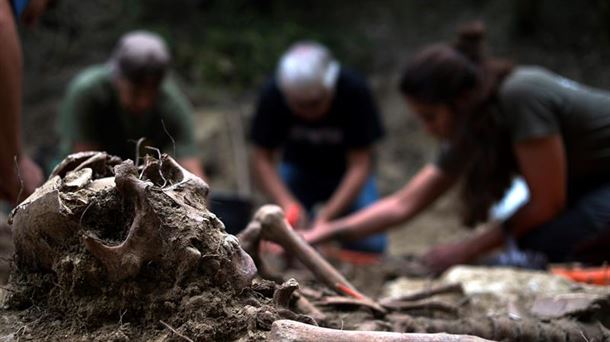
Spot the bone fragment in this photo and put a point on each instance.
(275, 228)
(288, 331)
(427, 293)
(282, 295)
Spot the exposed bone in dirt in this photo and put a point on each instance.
(103, 241)
(290, 331)
(270, 224)
(110, 251)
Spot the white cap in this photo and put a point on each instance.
(307, 68)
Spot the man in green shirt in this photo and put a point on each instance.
(111, 106)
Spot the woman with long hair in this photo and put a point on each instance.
(497, 121)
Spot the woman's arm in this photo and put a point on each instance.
(429, 183)
(358, 170)
(542, 163)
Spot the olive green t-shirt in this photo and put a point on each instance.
(91, 113)
(534, 102)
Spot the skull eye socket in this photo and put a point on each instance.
(108, 217)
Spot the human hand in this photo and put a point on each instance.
(439, 258)
(320, 232)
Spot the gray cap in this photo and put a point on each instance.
(307, 68)
(140, 56)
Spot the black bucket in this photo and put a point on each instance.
(234, 210)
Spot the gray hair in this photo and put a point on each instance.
(140, 56)
(307, 67)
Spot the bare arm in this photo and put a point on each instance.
(272, 184)
(429, 183)
(10, 101)
(82, 146)
(358, 169)
(547, 199)
(193, 165)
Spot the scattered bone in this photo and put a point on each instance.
(270, 224)
(567, 304)
(311, 293)
(427, 293)
(515, 310)
(78, 179)
(287, 331)
(346, 301)
(100, 163)
(250, 239)
(431, 305)
(283, 294)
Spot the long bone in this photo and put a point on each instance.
(292, 331)
(270, 224)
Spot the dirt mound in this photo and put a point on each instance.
(112, 251)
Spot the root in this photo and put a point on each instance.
(175, 331)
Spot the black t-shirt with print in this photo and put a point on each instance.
(321, 146)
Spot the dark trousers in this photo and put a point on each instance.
(313, 189)
(580, 233)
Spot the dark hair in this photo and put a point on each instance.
(444, 74)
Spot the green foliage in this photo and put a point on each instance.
(236, 44)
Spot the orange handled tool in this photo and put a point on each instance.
(592, 275)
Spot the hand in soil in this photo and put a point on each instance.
(441, 257)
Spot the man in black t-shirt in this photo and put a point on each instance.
(323, 122)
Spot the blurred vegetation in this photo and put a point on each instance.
(224, 49)
(234, 44)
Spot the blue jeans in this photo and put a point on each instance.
(311, 189)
